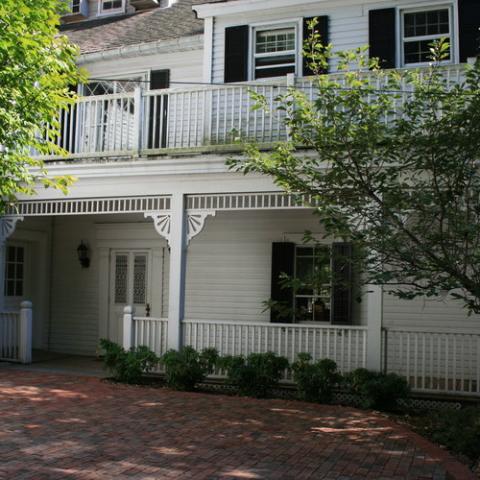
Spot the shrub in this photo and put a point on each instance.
(458, 430)
(315, 381)
(186, 367)
(128, 366)
(256, 374)
(378, 390)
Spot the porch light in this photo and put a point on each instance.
(83, 257)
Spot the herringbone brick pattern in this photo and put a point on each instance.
(66, 427)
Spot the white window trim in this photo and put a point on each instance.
(296, 23)
(113, 11)
(423, 7)
(144, 75)
(323, 243)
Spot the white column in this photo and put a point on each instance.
(25, 332)
(374, 327)
(128, 327)
(176, 294)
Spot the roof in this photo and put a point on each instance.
(108, 33)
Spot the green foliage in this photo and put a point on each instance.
(37, 69)
(186, 367)
(256, 374)
(315, 381)
(458, 430)
(393, 166)
(378, 390)
(128, 366)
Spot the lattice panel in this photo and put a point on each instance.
(91, 206)
(139, 279)
(249, 201)
(121, 278)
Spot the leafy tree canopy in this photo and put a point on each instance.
(391, 160)
(37, 70)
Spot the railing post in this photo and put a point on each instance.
(25, 332)
(290, 84)
(138, 120)
(374, 327)
(128, 327)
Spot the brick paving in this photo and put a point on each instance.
(56, 426)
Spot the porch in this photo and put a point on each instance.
(199, 276)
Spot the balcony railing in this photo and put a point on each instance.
(200, 118)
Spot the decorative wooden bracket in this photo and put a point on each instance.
(196, 222)
(161, 221)
(8, 225)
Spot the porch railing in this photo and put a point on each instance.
(151, 332)
(346, 345)
(16, 334)
(439, 362)
(147, 122)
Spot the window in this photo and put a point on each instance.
(110, 5)
(313, 273)
(274, 52)
(14, 271)
(76, 6)
(419, 29)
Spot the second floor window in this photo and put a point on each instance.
(419, 29)
(111, 5)
(274, 51)
(75, 6)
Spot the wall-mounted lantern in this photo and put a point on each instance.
(83, 255)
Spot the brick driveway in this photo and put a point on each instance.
(58, 426)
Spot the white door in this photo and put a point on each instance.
(129, 285)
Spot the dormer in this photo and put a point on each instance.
(77, 10)
(144, 4)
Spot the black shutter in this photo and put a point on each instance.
(283, 261)
(68, 125)
(469, 24)
(341, 313)
(382, 36)
(236, 54)
(159, 79)
(322, 29)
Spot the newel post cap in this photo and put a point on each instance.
(128, 309)
(26, 304)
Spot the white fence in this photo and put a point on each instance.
(176, 118)
(16, 334)
(10, 336)
(434, 362)
(151, 332)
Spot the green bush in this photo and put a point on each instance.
(128, 366)
(315, 381)
(186, 367)
(378, 390)
(458, 430)
(256, 374)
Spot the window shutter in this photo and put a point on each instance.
(283, 261)
(322, 29)
(341, 313)
(469, 23)
(159, 79)
(236, 54)
(382, 36)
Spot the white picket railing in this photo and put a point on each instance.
(439, 362)
(205, 116)
(346, 345)
(10, 336)
(150, 332)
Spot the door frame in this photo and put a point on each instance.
(129, 236)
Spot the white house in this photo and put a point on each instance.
(157, 222)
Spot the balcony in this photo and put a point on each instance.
(188, 120)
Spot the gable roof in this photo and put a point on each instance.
(108, 33)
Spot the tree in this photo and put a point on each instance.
(37, 71)
(391, 162)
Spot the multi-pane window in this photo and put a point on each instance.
(313, 289)
(109, 5)
(75, 6)
(420, 29)
(274, 52)
(14, 271)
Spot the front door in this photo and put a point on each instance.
(129, 285)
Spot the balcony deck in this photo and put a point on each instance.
(207, 118)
